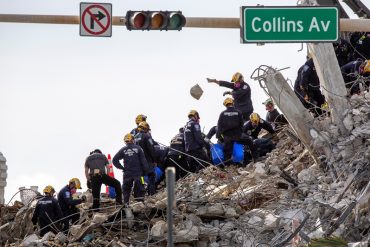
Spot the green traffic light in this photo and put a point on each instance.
(176, 21)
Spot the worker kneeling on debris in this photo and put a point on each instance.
(135, 167)
(96, 167)
(68, 203)
(253, 127)
(47, 212)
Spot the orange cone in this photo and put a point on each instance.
(110, 172)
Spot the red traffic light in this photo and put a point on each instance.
(155, 20)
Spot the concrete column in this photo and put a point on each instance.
(3, 176)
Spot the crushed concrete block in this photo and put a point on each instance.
(189, 234)
(99, 218)
(255, 220)
(29, 240)
(159, 229)
(208, 231)
(215, 209)
(359, 244)
(271, 222)
(60, 238)
(137, 207)
(226, 227)
(75, 229)
(259, 168)
(231, 213)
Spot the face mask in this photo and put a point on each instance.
(237, 84)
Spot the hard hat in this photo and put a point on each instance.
(193, 113)
(237, 77)
(128, 138)
(268, 101)
(143, 126)
(367, 66)
(49, 190)
(255, 118)
(77, 182)
(140, 118)
(228, 101)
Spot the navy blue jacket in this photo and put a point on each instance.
(47, 211)
(193, 136)
(309, 80)
(350, 71)
(135, 163)
(177, 143)
(145, 141)
(242, 96)
(230, 123)
(254, 131)
(66, 202)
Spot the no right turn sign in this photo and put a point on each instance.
(96, 19)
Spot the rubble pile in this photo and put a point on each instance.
(288, 199)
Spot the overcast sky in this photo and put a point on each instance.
(62, 95)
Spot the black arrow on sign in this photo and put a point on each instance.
(98, 16)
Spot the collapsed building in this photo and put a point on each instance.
(288, 199)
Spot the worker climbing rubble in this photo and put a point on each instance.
(96, 168)
(135, 168)
(307, 88)
(139, 118)
(194, 143)
(47, 213)
(68, 203)
(144, 139)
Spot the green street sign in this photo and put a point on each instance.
(262, 24)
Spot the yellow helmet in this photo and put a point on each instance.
(228, 101)
(128, 138)
(237, 77)
(367, 66)
(49, 190)
(76, 181)
(140, 118)
(193, 113)
(143, 126)
(255, 118)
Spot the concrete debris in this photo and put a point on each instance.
(288, 198)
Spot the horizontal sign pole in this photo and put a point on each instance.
(346, 25)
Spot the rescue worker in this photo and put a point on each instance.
(230, 130)
(344, 51)
(351, 73)
(139, 118)
(135, 167)
(241, 92)
(361, 43)
(68, 203)
(176, 157)
(307, 88)
(145, 141)
(273, 116)
(253, 127)
(194, 143)
(47, 212)
(229, 126)
(96, 169)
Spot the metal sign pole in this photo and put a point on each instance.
(170, 181)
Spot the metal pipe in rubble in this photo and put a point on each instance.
(170, 181)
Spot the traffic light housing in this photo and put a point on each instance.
(155, 20)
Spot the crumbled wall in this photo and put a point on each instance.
(3, 176)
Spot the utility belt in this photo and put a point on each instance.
(96, 172)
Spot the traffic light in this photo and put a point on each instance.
(155, 20)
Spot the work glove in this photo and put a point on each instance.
(207, 140)
(211, 80)
(226, 93)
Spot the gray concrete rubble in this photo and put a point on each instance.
(284, 200)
